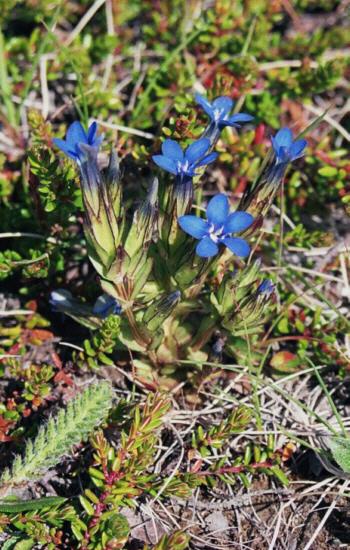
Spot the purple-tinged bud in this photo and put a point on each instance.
(106, 305)
(266, 287)
(63, 301)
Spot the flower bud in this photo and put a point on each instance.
(234, 287)
(144, 222)
(156, 313)
(102, 202)
(258, 198)
(64, 302)
(183, 196)
(112, 182)
(106, 305)
(266, 288)
(249, 312)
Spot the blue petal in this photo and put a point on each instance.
(296, 150)
(207, 159)
(171, 149)
(65, 147)
(98, 140)
(282, 155)
(91, 133)
(280, 151)
(206, 248)
(224, 104)
(238, 119)
(164, 162)
(76, 134)
(196, 150)
(196, 227)
(283, 138)
(238, 246)
(237, 222)
(218, 209)
(205, 104)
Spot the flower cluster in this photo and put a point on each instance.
(125, 252)
(184, 164)
(154, 262)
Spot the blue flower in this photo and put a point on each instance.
(217, 228)
(219, 111)
(266, 287)
(106, 305)
(287, 150)
(184, 163)
(76, 135)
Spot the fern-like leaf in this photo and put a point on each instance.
(54, 440)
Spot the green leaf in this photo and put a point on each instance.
(340, 449)
(103, 358)
(117, 526)
(76, 532)
(86, 505)
(281, 476)
(10, 543)
(25, 505)
(328, 171)
(25, 544)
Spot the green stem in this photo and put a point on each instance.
(139, 338)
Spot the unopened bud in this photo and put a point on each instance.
(258, 198)
(156, 314)
(144, 222)
(101, 203)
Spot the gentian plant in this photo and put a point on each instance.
(157, 266)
